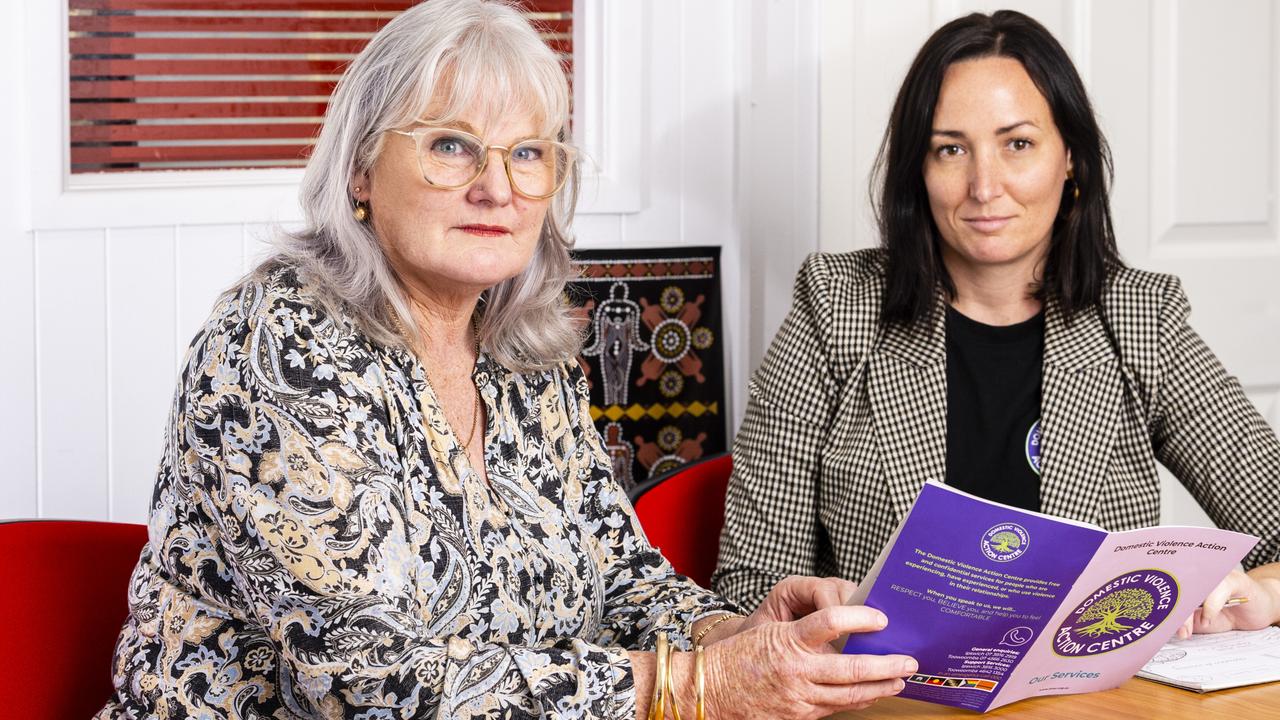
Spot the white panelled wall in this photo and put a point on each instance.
(747, 124)
(1188, 94)
(115, 308)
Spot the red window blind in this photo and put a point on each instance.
(200, 84)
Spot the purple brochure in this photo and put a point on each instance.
(999, 604)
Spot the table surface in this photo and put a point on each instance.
(1137, 699)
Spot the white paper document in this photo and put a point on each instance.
(1218, 661)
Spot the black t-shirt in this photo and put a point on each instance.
(993, 409)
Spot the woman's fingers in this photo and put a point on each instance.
(823, 626)
(798, 595)
(832, 591)
(847, 588)
(827, 593)
(846, 669)
(1188, 627)
(1219, 596)
(840, 697)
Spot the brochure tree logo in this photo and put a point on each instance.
(1005, 542)
(1120, 612)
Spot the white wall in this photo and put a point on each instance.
(104, 285)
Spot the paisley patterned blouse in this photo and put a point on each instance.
(320, 548)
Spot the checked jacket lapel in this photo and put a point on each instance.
(907, 388)
(1081, 394)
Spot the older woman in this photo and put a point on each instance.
(996, 341)
(382, 494)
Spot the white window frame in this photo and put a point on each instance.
(610, 54)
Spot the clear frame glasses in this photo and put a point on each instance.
(452, 159)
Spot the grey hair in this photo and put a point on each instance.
(456, 53)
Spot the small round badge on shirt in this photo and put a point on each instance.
(1034, 447)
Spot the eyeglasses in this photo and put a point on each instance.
(452, 159)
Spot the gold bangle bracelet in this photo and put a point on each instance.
(699, 684)
(697, 640)
(656, 711)
(670, 687)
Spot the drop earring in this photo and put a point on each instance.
(361, 211)
(1075, 186)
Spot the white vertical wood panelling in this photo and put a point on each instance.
(140, 338)
(208, 259)
(598, 231)
(708, 213)
(18, 491)
(662, 147)
(19, 496)
(777, 159)
(256, 239)
(840, 176)
(874, 43)
(71, 315)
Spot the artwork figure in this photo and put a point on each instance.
(617, 336)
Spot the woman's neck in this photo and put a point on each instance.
(995, 295)
(446, 322)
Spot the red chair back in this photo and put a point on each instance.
(65, 597)
(682, 513)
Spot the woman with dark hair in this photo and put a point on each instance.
(994, 340)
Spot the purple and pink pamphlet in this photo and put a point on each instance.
(999, 604)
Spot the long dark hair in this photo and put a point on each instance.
(1082, 249)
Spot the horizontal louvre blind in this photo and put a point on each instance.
(200, 84)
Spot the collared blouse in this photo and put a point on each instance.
(320, 547)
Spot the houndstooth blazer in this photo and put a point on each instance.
(847, 419)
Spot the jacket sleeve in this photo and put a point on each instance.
(1211, 437)
(771, 526)
(289, 451)
(644, 593)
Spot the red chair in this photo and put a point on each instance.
(65, 597)
(682, 513)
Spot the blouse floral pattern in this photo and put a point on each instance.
(320, 548)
